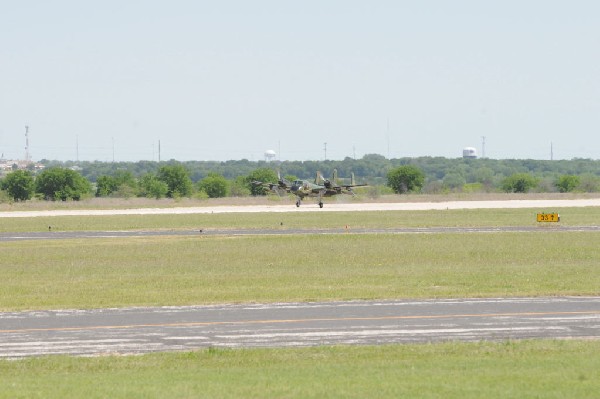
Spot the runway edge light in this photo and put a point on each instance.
(548, 217)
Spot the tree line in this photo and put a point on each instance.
(206, 179)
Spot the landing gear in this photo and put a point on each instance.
(297, 203)
(321, 194)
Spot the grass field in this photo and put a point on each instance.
(527, 369)
(197, 270)
(323, 220)
(194, 270)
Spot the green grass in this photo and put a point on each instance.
(526, 369)
(374, 219)
(153, 271)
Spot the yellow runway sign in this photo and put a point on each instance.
(548, 217)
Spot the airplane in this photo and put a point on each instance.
(320, 188)
(334, 188)
(282, 185)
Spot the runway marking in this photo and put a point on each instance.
(380, 333)
(284, 321)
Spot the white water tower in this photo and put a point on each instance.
(270, 155)
(469, 152)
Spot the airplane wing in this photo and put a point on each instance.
(282, 185)
(273, 187)
(353, 184)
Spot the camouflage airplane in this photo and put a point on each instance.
(281, 187)
(320, 188)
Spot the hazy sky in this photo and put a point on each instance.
(229, 79)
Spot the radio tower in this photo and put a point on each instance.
(27, 156)
(482, 146)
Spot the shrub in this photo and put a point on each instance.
(567, 183)
(19, 185)
(406, 178)
(519, 183)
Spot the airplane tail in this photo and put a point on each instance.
(319, 179)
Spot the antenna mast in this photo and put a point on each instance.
(482, 146)
(27, 156)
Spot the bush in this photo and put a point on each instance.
(519, 183)
(589, 183)
(177, 179)
(62, 184)
(19, 185)
(238, 188)
(567, 183)
(214, 185)
(406, 178)
(263, 175)
(151, 187)
(105, 186)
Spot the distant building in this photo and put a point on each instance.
(9, 165)
(469, 152)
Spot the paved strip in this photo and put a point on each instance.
(57, 235)
(312, 207)
(143, 330)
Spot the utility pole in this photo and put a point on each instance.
(482, 146)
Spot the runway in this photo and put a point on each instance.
(143, 330)
(308, 206)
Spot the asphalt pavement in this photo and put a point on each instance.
(143, 330)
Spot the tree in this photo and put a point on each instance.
(519, 183)
(590, 183)
(19, 185)
(454, 181)
(567, 183)
(151, 187)
(105, 186)
(239, 188)
(62, 184)
(406, 178)
(121, 182)
(264, 175)
(214, 185)
(177, 179)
